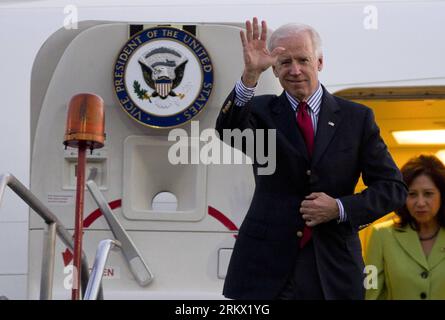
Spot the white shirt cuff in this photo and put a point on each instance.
(243, 94)
(342, 214)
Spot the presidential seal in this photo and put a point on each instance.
(163, 77)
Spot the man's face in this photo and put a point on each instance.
(297, 67)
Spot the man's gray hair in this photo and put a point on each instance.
(291, 29)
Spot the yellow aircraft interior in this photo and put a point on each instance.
(397, 109)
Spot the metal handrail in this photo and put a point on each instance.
(133, 257)
(54, 227)
(49, 250)
(94, 285)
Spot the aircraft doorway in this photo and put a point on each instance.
(401, 109)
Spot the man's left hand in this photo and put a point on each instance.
(318, 208)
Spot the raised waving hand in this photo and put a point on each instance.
(257, 57)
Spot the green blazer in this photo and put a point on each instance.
(404, 272)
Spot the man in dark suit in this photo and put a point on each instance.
(299, 239)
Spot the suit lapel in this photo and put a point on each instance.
(328, 122)
(408, 240)
(437, 253)
(286, 122)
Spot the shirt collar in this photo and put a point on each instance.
(314, 101)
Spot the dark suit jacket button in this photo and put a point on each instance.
(423, 295)
(299, 234)
(313, 179)
(424, 274)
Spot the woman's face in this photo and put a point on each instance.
(423, 201)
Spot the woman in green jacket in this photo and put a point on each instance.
(405, 257)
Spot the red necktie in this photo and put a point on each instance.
(304, 123)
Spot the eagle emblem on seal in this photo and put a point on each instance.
(162, 69)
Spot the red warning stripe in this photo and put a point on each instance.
(218, 215)
(97, 213)
(93, 216)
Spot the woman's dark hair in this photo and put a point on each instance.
(432, 167)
